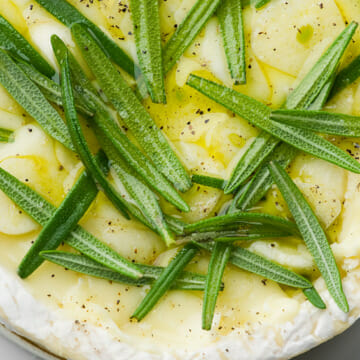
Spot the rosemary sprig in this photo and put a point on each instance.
(284, 154)
(144, 198)
(238, 233)
(81, 83)
(50, 89)
(346, 76)
(312, 233)
(62, 223)
(134, 157)
(42, 211)
(232, 30)
(131, 111)
(84, 265)
(258, 114)
(232, 222)
(219, 258)
(323, 96)
(80, 143)
(263, 144)
(253, 233)
(28, 95)
(12, 41)
(112, 132)
(312, 92)
(313, 296)
(210, 181)
(262, 180)
(240, 194)
(146, 19)
(165, 280)
(309, 89)
(320, 121)
(256, 264)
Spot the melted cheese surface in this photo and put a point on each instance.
(209, 140)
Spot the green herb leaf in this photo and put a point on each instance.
(42, 211)
(259, 3)
(144, 198)
(50, 89)
(320, 121)
(312, 233)
(253, 233)
(5, 135)
(210, 236)
(80, 143)
(256, 264)
(135, 158)
(69, 15)
(110, 130)
(80, 81)
(262, 180)
(238, 233)
(176, 225)
(209, 181)
(169, 275)
(149, 211)
(232, 221)
(323, 96)
(12, 41)
(313, 82)
(232, 208)
(261, 147)
(219, 258)
(62, 223)
(284, 154)
(346, 77)
(136, 118)
(232, 30)
(28, 95)
(322, 82)
(187, 31)
(259, 115)
(314, 297)
(146, 19)
(82, 264)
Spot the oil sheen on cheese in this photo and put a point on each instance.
(283, 41)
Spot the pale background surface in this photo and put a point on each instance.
(344, 347)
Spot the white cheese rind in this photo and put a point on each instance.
(80, 341)
(213, 149)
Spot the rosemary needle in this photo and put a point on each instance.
(312, 233)
(82, 264)
(134, 115)
(146, 20)
(165, 280)
(232, 29)
(80, 143)
(12, 41)
(42, 211)
(219, 258)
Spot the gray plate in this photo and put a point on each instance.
(26, 344)
(345, 347)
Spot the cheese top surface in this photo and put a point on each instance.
(284, 39)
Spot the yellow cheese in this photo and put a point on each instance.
(208, 139)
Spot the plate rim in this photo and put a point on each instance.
(25, 343)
